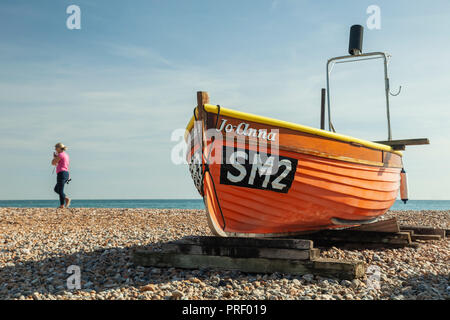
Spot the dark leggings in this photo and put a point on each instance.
(61, 179)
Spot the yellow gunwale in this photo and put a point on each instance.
(289, 125)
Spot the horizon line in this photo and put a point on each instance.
(103, 199)
(169, 199)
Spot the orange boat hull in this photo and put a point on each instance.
(317, 182)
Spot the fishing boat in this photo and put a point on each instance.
(263, 177)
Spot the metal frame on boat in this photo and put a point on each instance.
(357, 58)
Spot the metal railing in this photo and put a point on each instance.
(355, 58)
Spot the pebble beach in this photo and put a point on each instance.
(37, 245)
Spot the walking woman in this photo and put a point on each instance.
(61, 161)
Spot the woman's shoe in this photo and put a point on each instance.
(67, 200)
(61, 207)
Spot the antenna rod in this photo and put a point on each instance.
(322, 110)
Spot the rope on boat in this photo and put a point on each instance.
(332, 127)
(218, 114)
(201, 148)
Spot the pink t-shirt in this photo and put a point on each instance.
(63, 164)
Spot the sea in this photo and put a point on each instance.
(186, 204)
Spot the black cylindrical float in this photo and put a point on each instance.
(356, 39)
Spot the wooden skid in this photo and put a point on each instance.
(425, 230)
(425, 237)
(327, 237)
(416, 233)
(325, 267)
(241, 252)
(249, 242)
(389, 225)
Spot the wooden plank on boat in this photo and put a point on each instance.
(202, 98)
(325, 267)
(389, 225)
(400, 144)
(249, 242)
(425, 230)
(241, 252)
(326, 237)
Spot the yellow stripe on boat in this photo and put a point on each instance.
(289, 125)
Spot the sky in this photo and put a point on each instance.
(115, 90)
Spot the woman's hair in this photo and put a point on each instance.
(61, 146)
